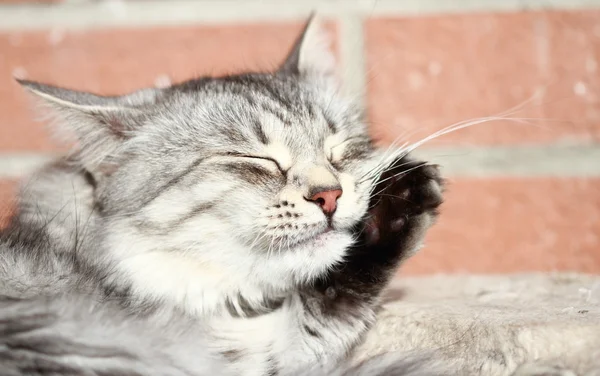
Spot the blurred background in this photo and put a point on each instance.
(524, 180)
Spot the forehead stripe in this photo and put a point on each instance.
(260, 133)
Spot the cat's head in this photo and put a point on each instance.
(265, 172)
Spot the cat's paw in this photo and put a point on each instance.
(404, 205)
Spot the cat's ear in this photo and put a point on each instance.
(312, 53)
(97, 124)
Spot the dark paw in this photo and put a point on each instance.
(404, 203)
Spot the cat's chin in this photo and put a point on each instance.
(324, 240)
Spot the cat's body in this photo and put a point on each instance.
(243, 224)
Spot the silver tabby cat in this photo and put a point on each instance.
(241, 225)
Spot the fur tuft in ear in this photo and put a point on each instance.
(97, 124)
(312, 52)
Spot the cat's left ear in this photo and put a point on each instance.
(98, 124)
(312, 53)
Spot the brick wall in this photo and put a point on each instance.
(523, 195)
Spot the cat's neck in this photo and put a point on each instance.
(199, 287)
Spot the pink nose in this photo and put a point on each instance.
(327, 200)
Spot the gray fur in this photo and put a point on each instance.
(180, 238)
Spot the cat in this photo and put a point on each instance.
(236, 225)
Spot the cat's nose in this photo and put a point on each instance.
(327, 199)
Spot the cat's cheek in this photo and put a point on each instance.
(351, 206)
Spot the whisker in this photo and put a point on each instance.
(260, 235)
(398, 174)
(449, 129)
(391, 166)
(388, 156)
(396, 196)
(270, 246)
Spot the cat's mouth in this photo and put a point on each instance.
(317, 238)
(312, 235)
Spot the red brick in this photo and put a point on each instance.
(514, 225)
(429, 72)
(573, 69)
(7, 195)
(115, 61)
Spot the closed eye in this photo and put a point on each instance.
(351, 149)
(335, 153)
(260, 159)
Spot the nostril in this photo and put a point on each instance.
(327, 199)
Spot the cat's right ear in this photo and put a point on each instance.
(312, 53)
(97, 124)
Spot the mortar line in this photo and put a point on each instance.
(104, 14)
(562, 159)
(352, 58)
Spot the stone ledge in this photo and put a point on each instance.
(492, 325)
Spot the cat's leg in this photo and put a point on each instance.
(328, 319)
(74, 335)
